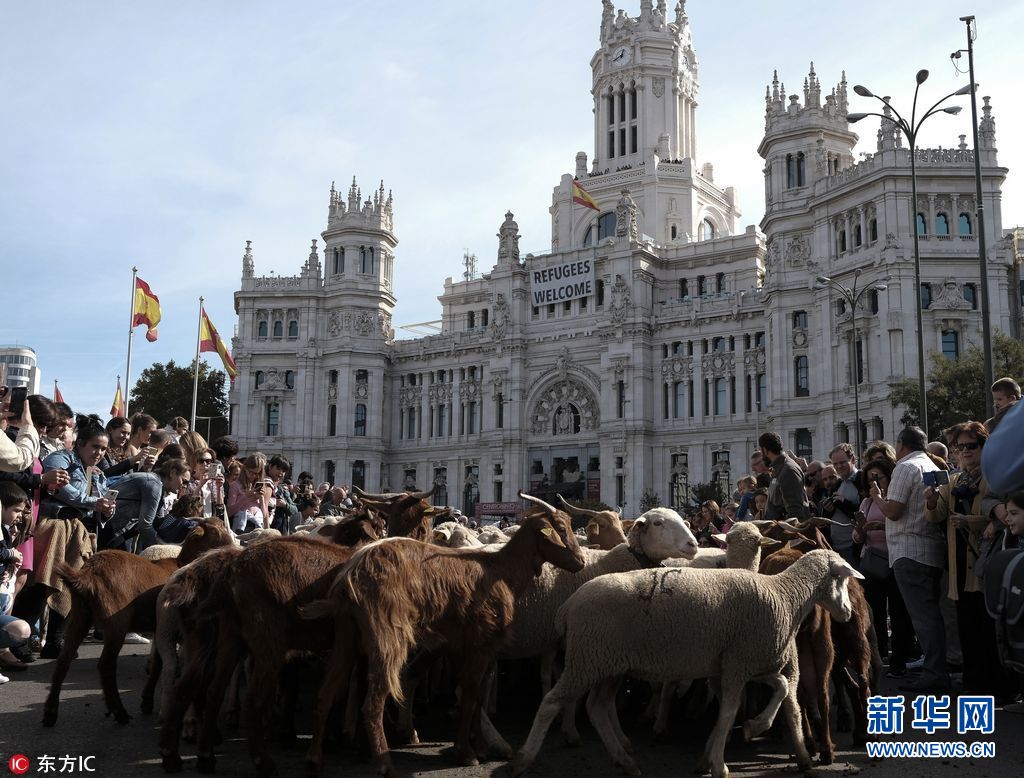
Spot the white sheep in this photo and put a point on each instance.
(161, 551)
(258, 535)
(659, 534)
(672, 623)
(744, 543)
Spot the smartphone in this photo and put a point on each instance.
(216, 469)
(935, 478)
(19, 395)
(112, 494)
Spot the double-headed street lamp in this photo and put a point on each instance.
(910, 129)
(853, 297)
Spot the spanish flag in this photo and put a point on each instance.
(146, 309)
(117, 407)
(57, 396)
(580, 195)
(209, 340)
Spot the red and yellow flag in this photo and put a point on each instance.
(146, 309)
(210, 340)
(580, 195)
(57, 396)
(117, 407)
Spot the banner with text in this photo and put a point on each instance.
(560, 283)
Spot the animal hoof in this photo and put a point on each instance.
(122, 717)
(630, 768)
(501, 751)
(206, 764)
(627, 746)
(827, 757)
(171, 763)
(49, 718)
(519, 765)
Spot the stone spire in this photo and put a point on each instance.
(607, 19)
(842, 104)
(987, 126)
(248, 265)
(812, 90)
(681, 18)
(354, 196)
(508, 241)
(312, 266)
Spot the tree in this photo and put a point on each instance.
(649, 499)
(165, 391)
(712, 490)
(956, 390)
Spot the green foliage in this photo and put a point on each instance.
(649, 499)
(700, 493)
(165, 391)
(956, 388)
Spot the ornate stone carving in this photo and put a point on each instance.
(361, 391)
(410, 395)
(334, 324)
(621, 302)
(502, 317)
(626, 217)
(799, 338)
(677, 366)
(566, 408)
(658, 86)
(891, 242)
(508, 241)
(363, 324)
(772, 255)
(719, 363)
(754, 358)
(951, 296)
(332, 391)
(469, 390)
(272, 381)
(798, 250)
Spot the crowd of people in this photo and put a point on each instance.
(919, 519)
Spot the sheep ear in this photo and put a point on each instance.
(552, 536)
(719, 537)
(198, 531)
(640, 522)
(843, 569)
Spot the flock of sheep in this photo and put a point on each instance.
(380, 592)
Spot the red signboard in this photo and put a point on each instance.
(498, 509)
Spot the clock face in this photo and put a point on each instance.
(621, 56)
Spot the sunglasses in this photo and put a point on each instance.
(966, 446)
(205, 461)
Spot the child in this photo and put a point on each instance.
(15, 509)
(1013, 535)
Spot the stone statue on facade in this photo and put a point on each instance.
(950, 296)
(626, 217)
(621, 301)
(508, 241)
(502, 317)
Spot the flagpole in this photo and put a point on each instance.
(131, 331)
(55, 390)
(195, 380)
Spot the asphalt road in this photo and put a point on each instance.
(131, 750)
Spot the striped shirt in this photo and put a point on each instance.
(910, 535)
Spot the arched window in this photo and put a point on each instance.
(803, 379)
(842, 241)
(371, 255)
(921, 224)
(293, 329)
(339, 260)
(278, 329)
(261, 330)
(858, 237)
(941, 224)
(800, 174)
(362, 259)
(332, 420)
(964, 226)
(273, 418)
(706, 230)
(790, 171)
(360, 425)
(258, 379)
(672, 232)
(605, 229)
(873, 230)
(289, 379)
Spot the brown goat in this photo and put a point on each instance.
(604, 528)
(117, 591)
(267, 583)
(815, 655)
(854, 649)
(406, 514)
(403, 594)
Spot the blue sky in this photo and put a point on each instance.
(167, 134)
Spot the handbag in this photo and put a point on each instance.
(874, 564)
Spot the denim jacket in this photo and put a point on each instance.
(74, 493)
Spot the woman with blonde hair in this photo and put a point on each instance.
(192, 445)
(248, 503)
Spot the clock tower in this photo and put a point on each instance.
(645, 86)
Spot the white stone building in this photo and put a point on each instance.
(686, 335)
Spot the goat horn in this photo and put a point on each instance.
(538, 501)
(574, 509)
(370, 496)
(419, 495)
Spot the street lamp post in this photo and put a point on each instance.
(910, 129)
(986, 321)
(853, 297)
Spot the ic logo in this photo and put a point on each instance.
(19, 764)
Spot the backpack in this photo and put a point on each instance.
(1004, 601)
